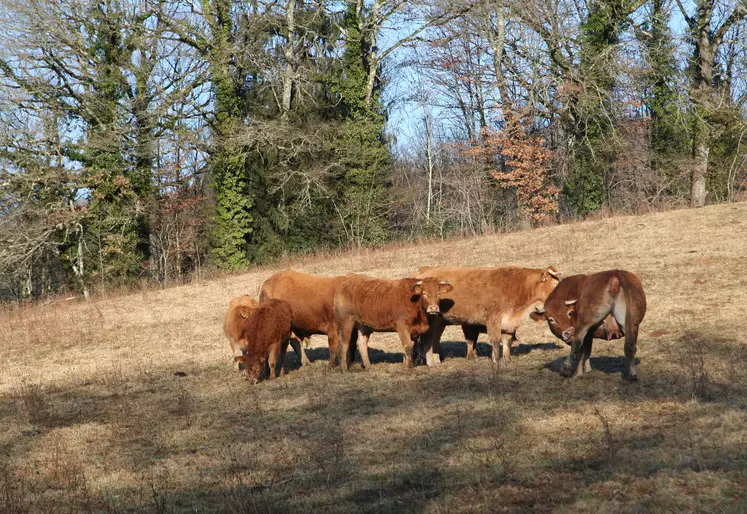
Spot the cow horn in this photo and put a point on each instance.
(419, 282)
(571, 302)
(539, 309)
(555, 273)
(444, 283)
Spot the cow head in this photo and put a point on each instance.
(252, 365)
(428, 293)
(569, 332)
(549, 278)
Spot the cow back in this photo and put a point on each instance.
(481, 293)
(311, 298)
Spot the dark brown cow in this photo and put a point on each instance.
(239, 309)
(616, 292)
(487, 300)
(264, 338)
(556, 311)
(312, 299)
(372, 305)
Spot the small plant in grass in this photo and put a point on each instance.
(696, 348)
(30, 399)
(611, 447)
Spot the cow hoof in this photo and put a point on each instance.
(434, 360)
(565, 372)
(632, 378)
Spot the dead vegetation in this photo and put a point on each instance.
(131, 403)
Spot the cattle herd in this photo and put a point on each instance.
(347, 309)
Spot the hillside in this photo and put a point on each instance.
(93, 417)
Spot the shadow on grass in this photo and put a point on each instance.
(451, 349)
(609, 365)
(293, 362)
(444, 439)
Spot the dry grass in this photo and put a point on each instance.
(93, 417)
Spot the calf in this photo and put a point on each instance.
(616, 292)
(239, 309)
(264, 338)
(556, 311)
(371, 305)
(492, 300)
(312, 300)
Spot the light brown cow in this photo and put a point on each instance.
(264, 338)
(616, 292)
(239, 309)
(556, 311)
(487, 300)
(312, 300)
(371, 305)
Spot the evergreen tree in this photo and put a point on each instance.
(363, 155)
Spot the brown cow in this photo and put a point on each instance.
(616, 292)
(556, 311)
(492, 300)
(372, 305)
(238, 310)
(312, 299)
(264, 338)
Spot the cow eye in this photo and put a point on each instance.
(570, 314)
(551, 319)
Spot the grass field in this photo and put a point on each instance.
(94, 418)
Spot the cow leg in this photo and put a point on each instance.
(404, 336)
(346, 331)
(495, 343)
(283, 354)
(272, 359)
(577, 354)
(631, 345)
(304, 345)
(333, 338)
(587, 353)
(506, 340)
(471, 334)
(237, 352)
(297, 346)
(432, 341)
(363, 348)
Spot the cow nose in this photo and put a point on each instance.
(433, 309)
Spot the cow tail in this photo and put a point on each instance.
(614, 286)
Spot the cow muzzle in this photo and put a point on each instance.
(433, 309)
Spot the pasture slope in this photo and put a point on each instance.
(93, 417)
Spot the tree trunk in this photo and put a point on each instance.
(699, 174)
(289, 53)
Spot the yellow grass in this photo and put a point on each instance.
(93, 417)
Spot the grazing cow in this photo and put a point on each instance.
(492, 300)
(372, 305)
(556, 311)
(238, 310)
(312, 301)
(615, 292)
(264, 338)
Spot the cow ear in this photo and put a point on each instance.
(444, 287)
(571, 306)
(539, 317)
(239, 358)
